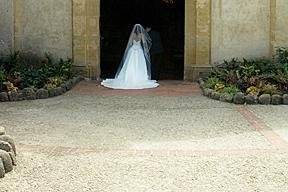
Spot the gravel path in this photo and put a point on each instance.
(168, 139)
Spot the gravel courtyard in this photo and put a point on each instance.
(161, 140)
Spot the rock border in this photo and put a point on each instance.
(241, 99)
(7, 153)
(31, 94)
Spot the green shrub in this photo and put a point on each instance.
(260, 66)
(211, 82)
(2, 77)
(27, 69)
(249, 68)
(64, 68)
(249, 75)
(282, 55)
(231, 89)
(53, 82)
(269, 89)
(227, 71)
(32, 78)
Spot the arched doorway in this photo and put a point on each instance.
(117, 19)
(86, 35)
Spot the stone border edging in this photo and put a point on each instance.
(241, 99)
(30, 94)
(7, 153)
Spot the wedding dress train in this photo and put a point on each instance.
(134, 73)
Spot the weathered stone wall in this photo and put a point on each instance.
(6, 25)
(240, 29)
(214, 30)
(44, 26)
(281, 23)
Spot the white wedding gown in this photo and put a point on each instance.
(134, 74)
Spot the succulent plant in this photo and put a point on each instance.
(219, 87)
(270, 89)
(253, 91)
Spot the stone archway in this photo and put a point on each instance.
(86, 37)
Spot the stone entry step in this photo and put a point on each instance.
(166, 88)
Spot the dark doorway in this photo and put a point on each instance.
(117, 20)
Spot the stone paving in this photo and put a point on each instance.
(165, 139)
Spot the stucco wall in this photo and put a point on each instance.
(240, 29)
(44, 26)
(6, 25)
(281, 26)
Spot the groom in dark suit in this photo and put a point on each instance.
(156, 52)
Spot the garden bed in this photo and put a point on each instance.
(254, 81)
(26, 76)
(242, 98)
(42, 93)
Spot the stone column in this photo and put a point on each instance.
(86, 36)
(197, 38)
(190, 38)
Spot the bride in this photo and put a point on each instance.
(134, 71)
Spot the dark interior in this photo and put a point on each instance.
(117, 20)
